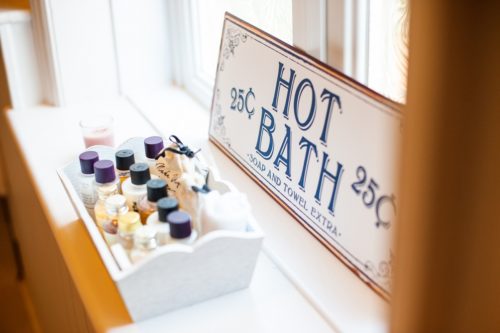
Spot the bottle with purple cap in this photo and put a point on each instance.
(181, 231)
(158, 220)
(107, 185)
(153, 145)
(86, 188)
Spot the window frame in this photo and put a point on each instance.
(185, 65)
(339, 43)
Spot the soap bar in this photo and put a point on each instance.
(228, 211)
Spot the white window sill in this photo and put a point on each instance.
(298, 285)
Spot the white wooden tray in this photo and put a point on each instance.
(173, 276)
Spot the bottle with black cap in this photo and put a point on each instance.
(156, 189)
(158, 220)
(134, 188)
(124, 159)
(181, 231)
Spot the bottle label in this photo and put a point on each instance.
(88, 194)
(133, 200)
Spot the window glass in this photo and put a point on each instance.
(272, 16)
(388, 48)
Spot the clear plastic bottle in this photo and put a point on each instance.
(116, 206)
(158, 220)
(181, 231)
(106, 185)
(127, 225)
(124, 159)
(144, 243)
(134, 188)
(153, 145)
(156, 189)
(86, 186)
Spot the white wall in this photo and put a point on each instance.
(97, 50)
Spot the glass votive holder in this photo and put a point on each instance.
(98, 130)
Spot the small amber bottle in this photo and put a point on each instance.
(127, 225)
(156, 189)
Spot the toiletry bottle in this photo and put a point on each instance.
(156, 189)
(127, 225)
(158, 220)
(134, 188)
(124, 159)
(106, 185)
(153, 145)
(144, 243)
(180, 229)
(86, 186)
(116, 206)
(110, 232)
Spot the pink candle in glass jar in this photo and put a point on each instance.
(98, 130)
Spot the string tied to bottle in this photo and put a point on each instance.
(204, 188)
(180, 148)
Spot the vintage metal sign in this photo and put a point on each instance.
(322, 145)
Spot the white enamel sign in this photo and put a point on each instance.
(322, 145)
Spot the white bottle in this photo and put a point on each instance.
(106, 185)
(181, 231)
(144, 243)
(134, 187)
(124, 158)
(86, 186)
(158, 220)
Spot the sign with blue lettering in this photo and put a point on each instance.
(322, 145)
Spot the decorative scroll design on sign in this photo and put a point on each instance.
(218, 121)
(382, 270)
(233, 38)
